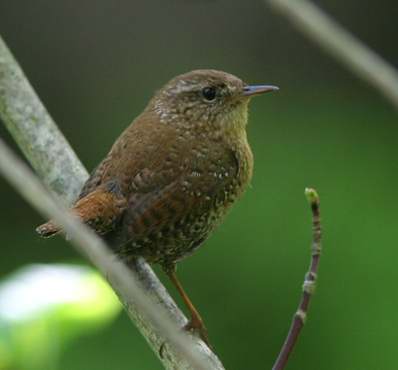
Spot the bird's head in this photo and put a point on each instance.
(207, 100)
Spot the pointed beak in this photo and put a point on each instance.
(251, 90)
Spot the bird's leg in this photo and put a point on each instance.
(195, 324)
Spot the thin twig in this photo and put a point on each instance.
(341, 44)
(57, 165)
(308, 286)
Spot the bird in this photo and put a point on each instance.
(173, 174)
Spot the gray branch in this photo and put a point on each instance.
(36, 133)
(342, 45)
(144, 297)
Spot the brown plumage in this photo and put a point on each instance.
(174, 173)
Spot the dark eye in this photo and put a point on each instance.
(209, 93)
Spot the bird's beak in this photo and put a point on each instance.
(251, 90)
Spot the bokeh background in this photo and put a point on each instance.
(96, 63)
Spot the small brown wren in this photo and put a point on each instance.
(173, 174)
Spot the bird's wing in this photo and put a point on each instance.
(94, 180)
(162, 198)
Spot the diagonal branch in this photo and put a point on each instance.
(341, 44)
(35, 132)
(308, 286)
(140, 305)
(58, 166)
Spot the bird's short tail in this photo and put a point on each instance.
(99, 209)
(48, 229)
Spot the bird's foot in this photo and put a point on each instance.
(197, 327)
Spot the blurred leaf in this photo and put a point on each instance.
(42, 307)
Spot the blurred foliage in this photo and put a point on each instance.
(44, 307)
(95, 64)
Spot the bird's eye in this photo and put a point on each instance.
(209, 93)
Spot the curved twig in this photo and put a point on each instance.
(359, 58)
(308, 286)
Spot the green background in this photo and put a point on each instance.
(96, 63)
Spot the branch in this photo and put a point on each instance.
(341, 44)
(36, 133)
(308, 286)
(144, 297)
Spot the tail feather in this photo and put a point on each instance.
(99, 209)
(48, 229)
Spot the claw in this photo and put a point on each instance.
(194, 326)
(198, 328)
